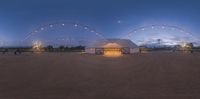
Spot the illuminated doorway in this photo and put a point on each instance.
(112, 52)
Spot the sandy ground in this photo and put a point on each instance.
(75, 76)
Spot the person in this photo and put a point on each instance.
(17, 52)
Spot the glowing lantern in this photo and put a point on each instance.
(37, 46)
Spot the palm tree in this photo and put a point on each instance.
(159, 41)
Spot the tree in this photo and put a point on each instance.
(50, 48)
(188, 47)
(62, 48)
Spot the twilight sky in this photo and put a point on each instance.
(113, 18)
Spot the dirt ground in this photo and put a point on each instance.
(80, 76)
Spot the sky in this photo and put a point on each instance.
(113, 18)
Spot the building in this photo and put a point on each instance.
(112, 47)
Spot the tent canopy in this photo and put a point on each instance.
(113, 43)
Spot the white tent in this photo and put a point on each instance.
(126, 46)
